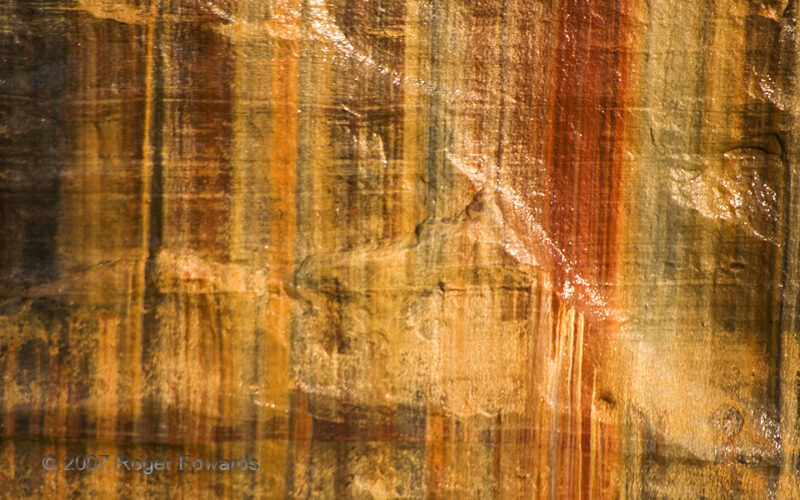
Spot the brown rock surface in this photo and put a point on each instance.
(400, 248)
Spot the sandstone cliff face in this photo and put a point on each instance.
(401, 248)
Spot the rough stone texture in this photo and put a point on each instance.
(401, 248)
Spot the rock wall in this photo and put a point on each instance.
(401, 248)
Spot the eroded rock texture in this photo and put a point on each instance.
(401, 248)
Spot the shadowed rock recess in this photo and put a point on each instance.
(399, 249)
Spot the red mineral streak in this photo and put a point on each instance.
(202, 182)
(586, 132)
(586, 135)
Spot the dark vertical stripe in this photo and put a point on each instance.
(769, 55)
(148, 423)
(34, 47)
